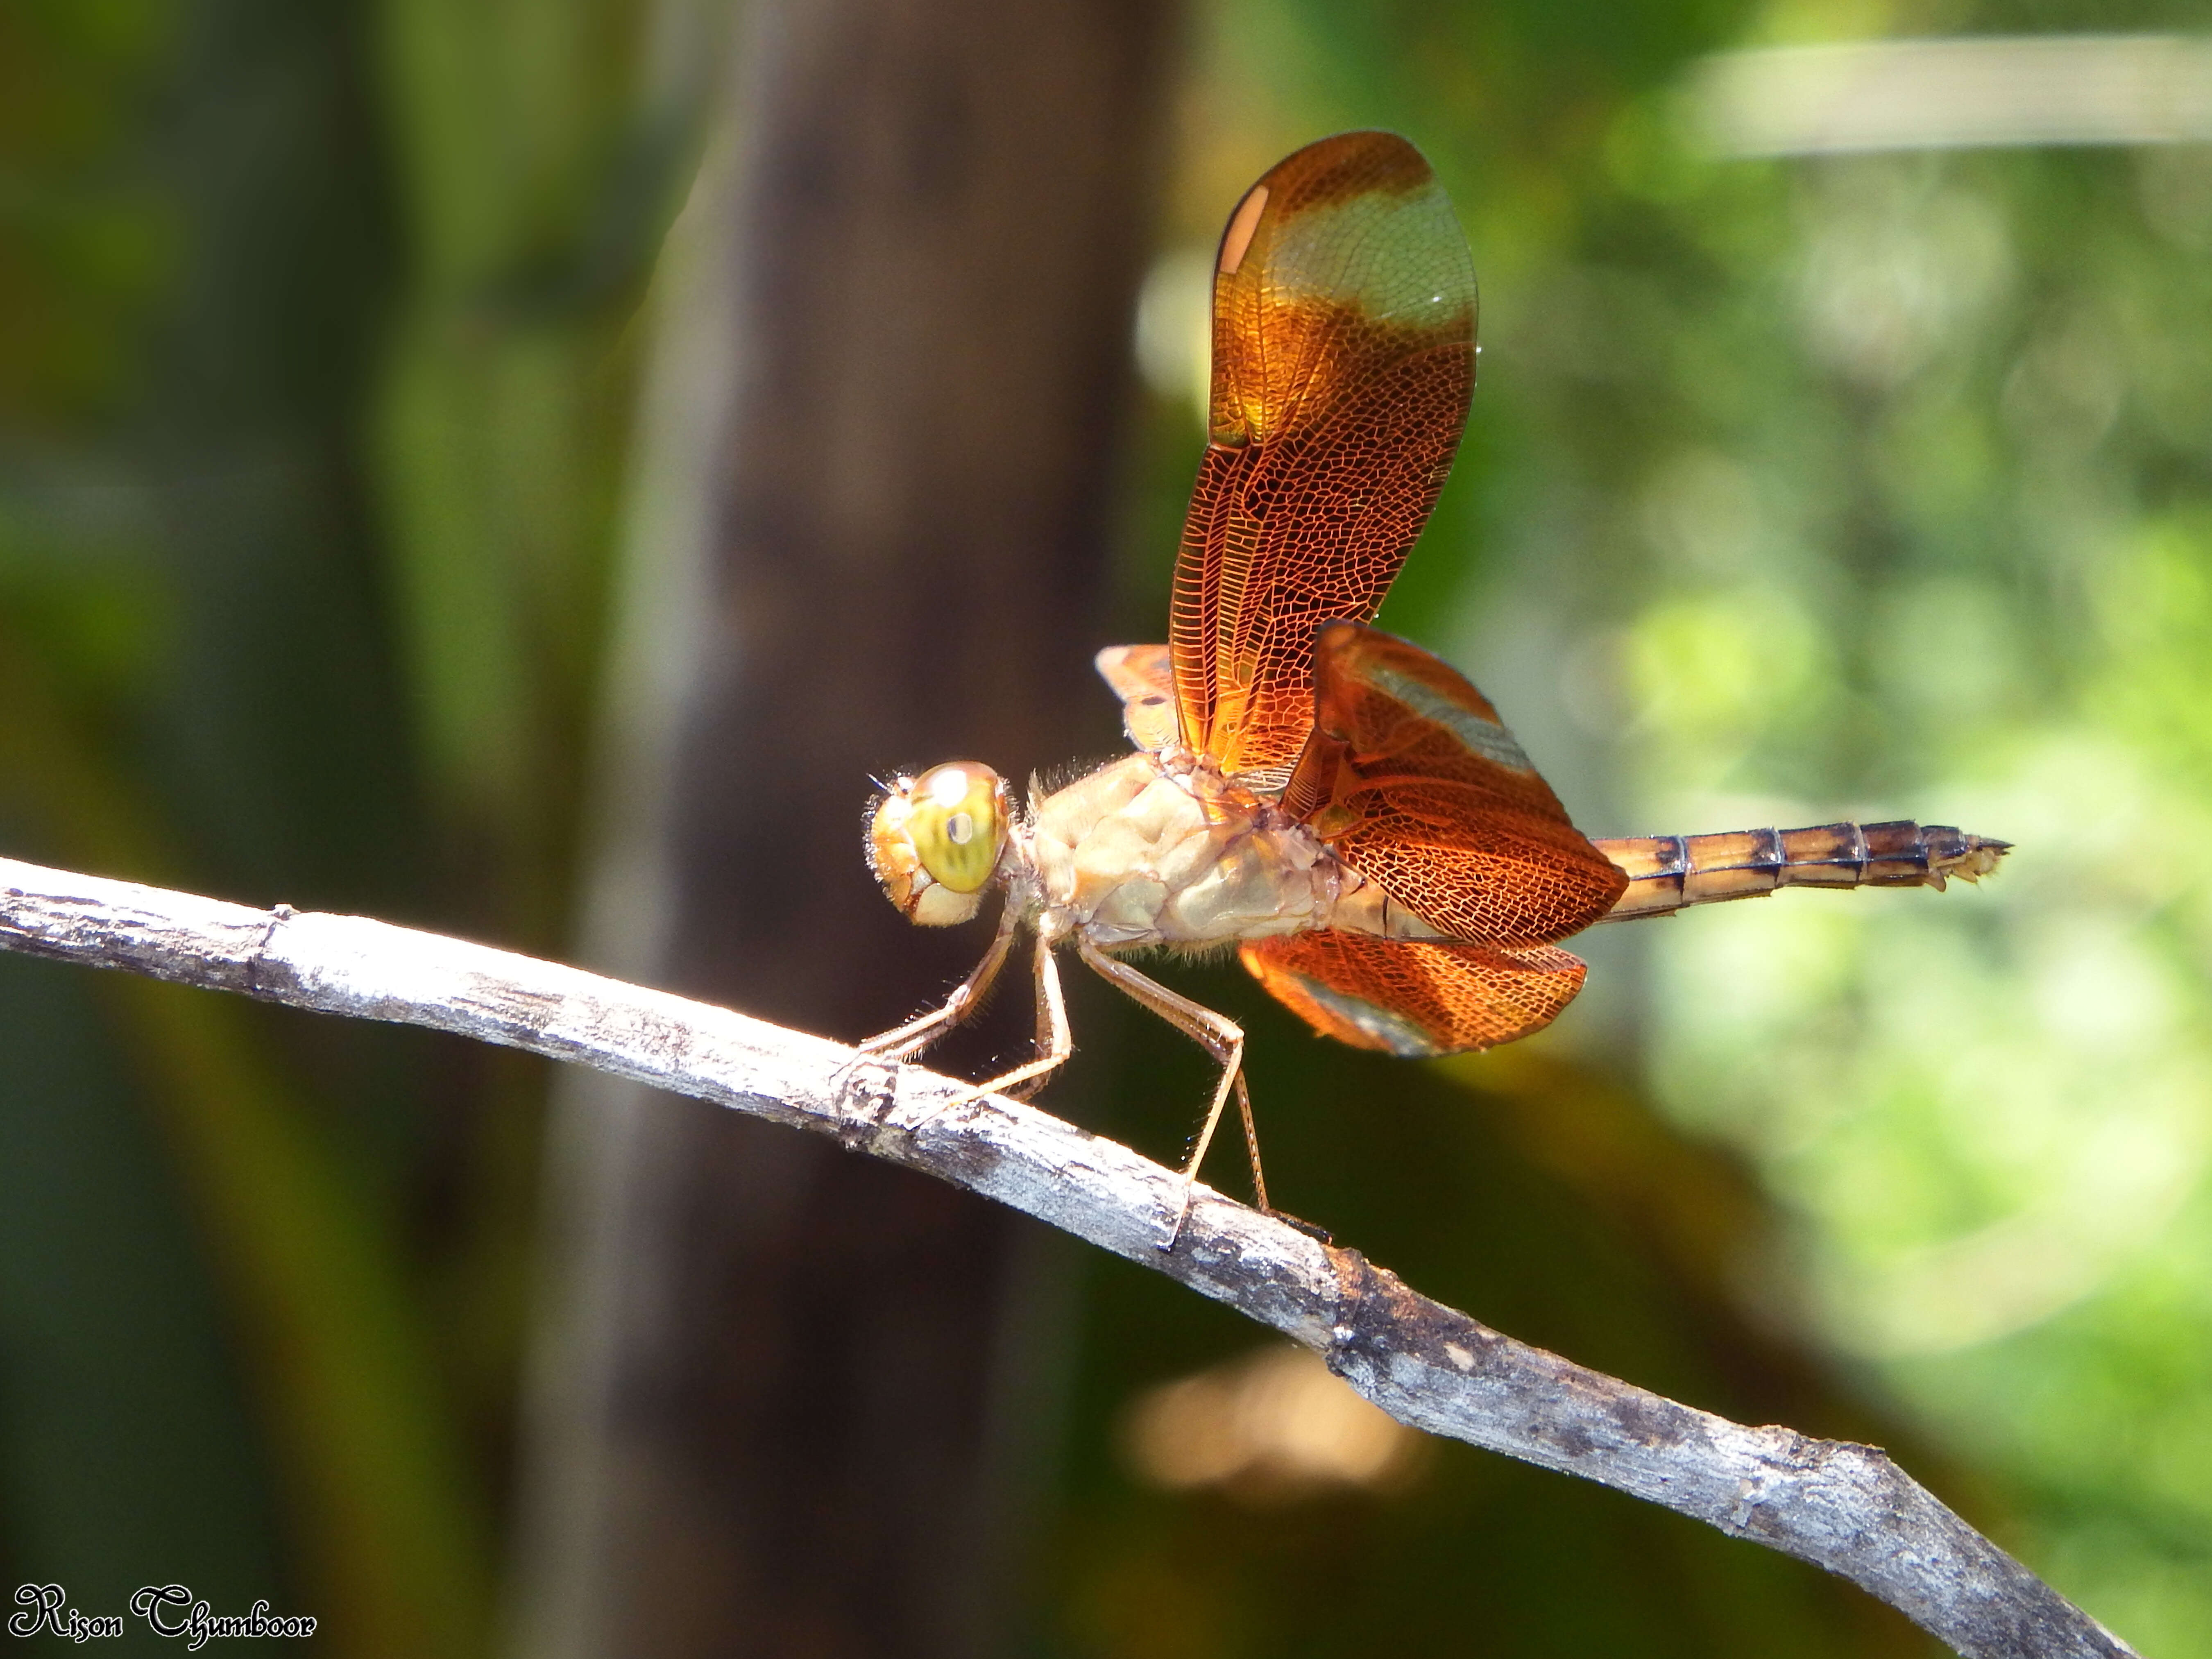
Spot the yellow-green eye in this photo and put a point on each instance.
(957, 822)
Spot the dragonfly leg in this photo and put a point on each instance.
(905, 1041)
(1055, 1041)
(1054, 1034)
(1220, 1036)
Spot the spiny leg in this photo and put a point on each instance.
(1220, 1036)
(1051, 1017)
(1252, 1143)
(905, 1041)
(1055, 1041)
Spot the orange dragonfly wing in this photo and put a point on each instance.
(1413, 779)
(1144, 679)
(1344, 316)
(1411, 997)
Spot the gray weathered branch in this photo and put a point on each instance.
(1847, 1508)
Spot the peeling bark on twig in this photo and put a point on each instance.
(1844, 1507)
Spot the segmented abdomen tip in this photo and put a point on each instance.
(1978, 857)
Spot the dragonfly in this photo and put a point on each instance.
(1342, 808)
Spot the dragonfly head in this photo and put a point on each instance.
(934, 841)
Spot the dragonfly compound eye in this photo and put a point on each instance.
(935, 840)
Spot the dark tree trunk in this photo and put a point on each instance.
(775, 1418)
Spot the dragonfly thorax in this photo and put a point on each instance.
(1162, 849)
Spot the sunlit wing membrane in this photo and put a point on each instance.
(1410, 997)
(1344, 315)
(1141, 676)
(1413, 779)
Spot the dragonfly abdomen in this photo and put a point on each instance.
(1667, 873)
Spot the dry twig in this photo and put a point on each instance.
(1847, 1508)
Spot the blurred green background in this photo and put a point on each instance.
(1873, 486)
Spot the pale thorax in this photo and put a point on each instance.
(1161, 849)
